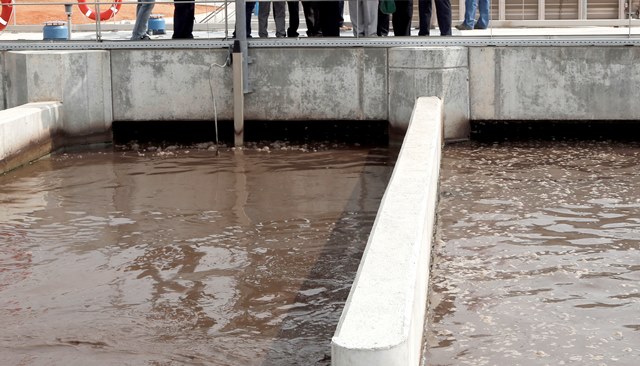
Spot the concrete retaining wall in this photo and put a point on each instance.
(477, 83)
(554, 83)
(383, 319)
(292, 84)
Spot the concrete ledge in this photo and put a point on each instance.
(383, 319)
(26, 132)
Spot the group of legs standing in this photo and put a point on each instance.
(324, 18)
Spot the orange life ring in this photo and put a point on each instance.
(7, 10)
(105, 15)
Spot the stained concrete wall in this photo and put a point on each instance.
(293, 84)
(171, 85)
(286, 84)
(554, 83)
(2, 86)
(81, 80)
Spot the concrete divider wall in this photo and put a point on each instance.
(554, 83)
(382, 323)
(2, 86)
(27, 132)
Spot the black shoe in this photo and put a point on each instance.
(292, 34)
(463, 27)
(478, 27)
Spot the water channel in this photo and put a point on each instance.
(183, 256)
(537, 255)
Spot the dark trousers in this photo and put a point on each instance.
(443, 13)
(249, 6)
(402, 18)
(311, 17)
(383, 24)
(294, 18)
(183, 17)
(329, 18)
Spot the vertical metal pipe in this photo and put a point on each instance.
(238, 93)
(98, 30)
(241, 37)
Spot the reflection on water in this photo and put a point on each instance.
(537, 257)
(241, 258)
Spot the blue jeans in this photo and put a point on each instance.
(143, 12)
(470, 13)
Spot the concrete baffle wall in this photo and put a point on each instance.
(317, 84)
(27, 132)
(382, 323)
(554, 83)
(2, 86)
(81, 80)
(285, 84)
(171, 85)
(430, 71)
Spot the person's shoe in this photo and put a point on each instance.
(463, 27)
(144, 37)
(292, 34)
(478, 27)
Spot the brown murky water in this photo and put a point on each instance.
(537, 259)
(182, 257)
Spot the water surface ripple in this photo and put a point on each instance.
(182, 257)
(537, 257)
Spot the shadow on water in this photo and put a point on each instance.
(363, 133)
(490, 131)
(334, 271)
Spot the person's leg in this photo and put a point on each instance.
(143, 12)
(263, 19)
(355, 11)
(443, 12)
(424, 17)
(183, 17)
(294, 18)
(279, 14)
(250, 5)
(383, 24)
(469, 13)
(402, 18)
(329, 18)
(311, 17)
(370, 18)
(483, 9)
(341, 14)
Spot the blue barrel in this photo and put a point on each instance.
(156, 24)
(55, 30)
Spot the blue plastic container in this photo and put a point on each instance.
(156, 24)
(55, 30)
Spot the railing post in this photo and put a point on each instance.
(238, 94)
